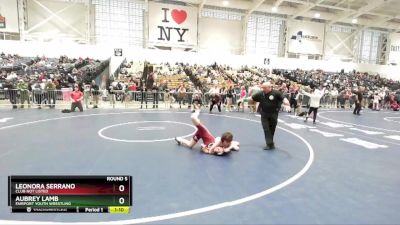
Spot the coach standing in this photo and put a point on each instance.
(270, 103)
(77, 97)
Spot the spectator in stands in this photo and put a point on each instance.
(86, 95)
(70, 79)
(293, 97)
(334, 97)
(382, 98)
(243, 94)
(23, 93)
(155, 90)
(181, 95)
(229, 98)
(253, 90)
(76, 97)
(133, 87)
(342, 99)
(50, 89)
(222, 94)
(94, 91)
(11, 93)
(111, 94)
(196, 99)
(213, 90)
(37, 93)
(375, 102)
(348, 99)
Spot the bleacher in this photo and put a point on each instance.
(174, 81)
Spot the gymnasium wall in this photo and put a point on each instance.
(220, 36)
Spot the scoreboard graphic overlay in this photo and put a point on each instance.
(70, 194)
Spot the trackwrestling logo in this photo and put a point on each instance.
(299, 37)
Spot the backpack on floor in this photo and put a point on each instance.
(302, 114)
(65, 111)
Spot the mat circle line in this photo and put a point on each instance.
(217, 206)
(100, 132)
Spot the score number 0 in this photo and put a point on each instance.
(121, 188)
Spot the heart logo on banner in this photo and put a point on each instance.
(179, 16)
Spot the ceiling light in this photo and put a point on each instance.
(225, 3)
(317, 15)
(354, 20)
(274, 9)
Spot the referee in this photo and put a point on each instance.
(359, 98)
(270, 104)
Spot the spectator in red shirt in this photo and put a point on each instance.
(133, 87)
(76, 97)
(395, 106)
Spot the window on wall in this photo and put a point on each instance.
(222, 13)
(119, 21)
(264, 35)
(370, 44)
(341, 29)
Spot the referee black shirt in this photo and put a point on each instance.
(269, 103)
(359, 95)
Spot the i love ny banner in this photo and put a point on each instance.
(172, 25)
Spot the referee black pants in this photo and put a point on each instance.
(357, 109)
(215, 103)
(269, 123)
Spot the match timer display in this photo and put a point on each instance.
(70, 194)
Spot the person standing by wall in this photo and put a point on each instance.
(252, 90)
(197, 98)
(50, 89)
(94, 91)
(375, 103)
(37, 93)
(86, 95)
(270, 103)
(181, 95)
(22, 88)
(334, 97)
(293, 97)
(229, 98)
(243, 94)
(347, 97)
(11, 93)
